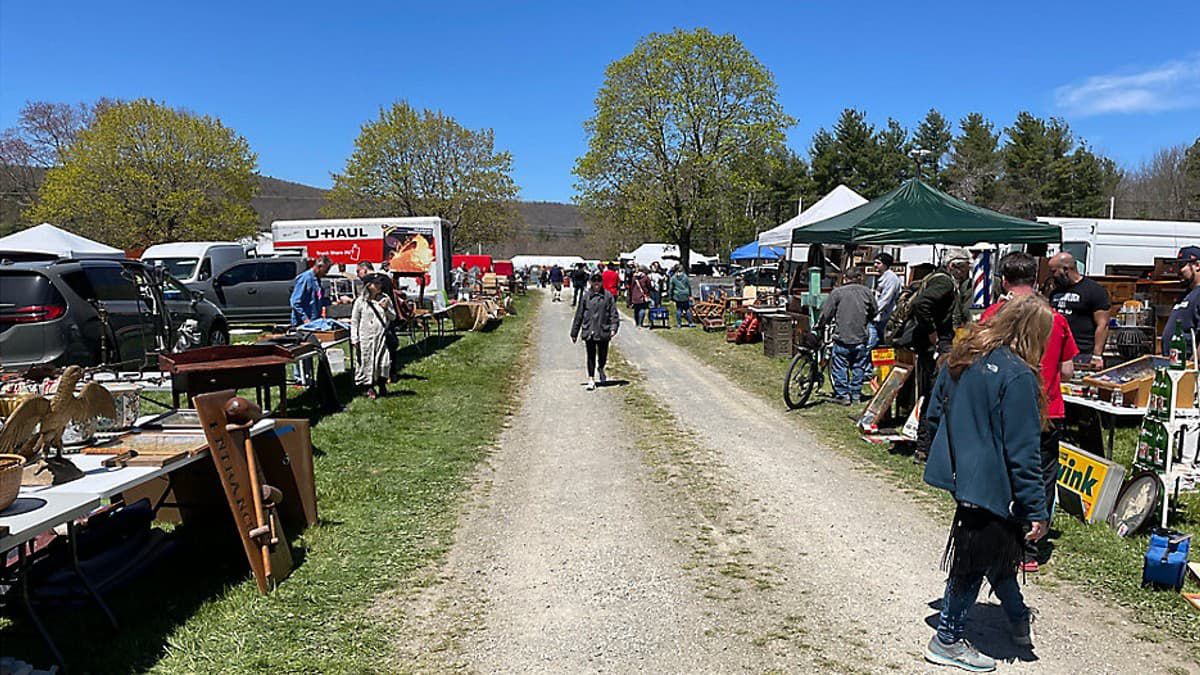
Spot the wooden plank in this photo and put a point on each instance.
(230, 461)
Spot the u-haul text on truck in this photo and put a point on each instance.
(413, 248)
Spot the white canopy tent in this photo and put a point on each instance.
(666, 255)
(51, 240)
(839, 200)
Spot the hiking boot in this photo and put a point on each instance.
(1022, 631)
(960, 655)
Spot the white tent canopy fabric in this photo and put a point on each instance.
(51, 240)
(666, 255)
(839, 200)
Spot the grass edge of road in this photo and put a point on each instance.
(1090, 558)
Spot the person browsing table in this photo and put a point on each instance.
(1084, 303)
(1186, 313)
(308, 298)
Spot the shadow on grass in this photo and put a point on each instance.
(208, 564)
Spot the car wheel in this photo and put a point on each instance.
(218, 336)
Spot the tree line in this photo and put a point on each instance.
(137, 173)
(687, 143)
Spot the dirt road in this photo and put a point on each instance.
(677, 524)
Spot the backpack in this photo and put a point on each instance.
(901, 326)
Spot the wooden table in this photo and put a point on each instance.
(208, 369)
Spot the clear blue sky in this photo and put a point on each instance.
(297, 79)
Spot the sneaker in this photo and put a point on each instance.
(960, 655)
(591, 385)
(603, 376)
(1029, 566)
(1022, 631)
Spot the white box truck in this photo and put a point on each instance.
(412, 247)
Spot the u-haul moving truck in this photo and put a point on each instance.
(410, 246)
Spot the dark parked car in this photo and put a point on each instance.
(95, 311)
(256, 289)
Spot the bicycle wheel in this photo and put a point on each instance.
(803, 378)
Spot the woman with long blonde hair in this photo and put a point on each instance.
(988, 407)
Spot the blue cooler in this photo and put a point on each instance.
(1166, 560)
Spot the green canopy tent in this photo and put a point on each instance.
(916, 213)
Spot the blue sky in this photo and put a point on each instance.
(297, 79)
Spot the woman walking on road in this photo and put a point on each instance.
(986, 452)
(596, 319)
(369, 321)
(680, 288)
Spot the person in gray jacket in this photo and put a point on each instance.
(596, 319)
(851, 307)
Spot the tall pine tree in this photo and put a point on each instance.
(933, 134)
(973, 170)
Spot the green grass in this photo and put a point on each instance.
(390, 475)
(1091, 558)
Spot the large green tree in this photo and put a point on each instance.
(933, 135)
(144, 174)
(424, 163)
(974, 167)
(679, 132)
(1047, 173)
(867, 160)
(1191, 172)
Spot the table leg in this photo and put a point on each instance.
(23, 582)
(83, 578)
(283, 398)
(1108, 431)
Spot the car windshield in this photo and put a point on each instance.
(180, 268)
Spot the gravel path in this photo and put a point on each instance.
(680, 525)
(874, 551)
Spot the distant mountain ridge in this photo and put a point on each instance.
(549, 228)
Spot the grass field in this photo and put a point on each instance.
(390, 474)
(1091, 558)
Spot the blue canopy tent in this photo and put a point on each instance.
(752, 251)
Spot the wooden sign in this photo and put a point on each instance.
(877, 410)
(230, 459)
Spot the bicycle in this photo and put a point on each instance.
(806, 372)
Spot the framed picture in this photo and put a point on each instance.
(879, 407)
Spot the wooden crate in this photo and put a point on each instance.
(779, 331)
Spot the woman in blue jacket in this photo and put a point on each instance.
(985, 405)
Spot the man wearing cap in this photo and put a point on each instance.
(887, 290)
(1084, 302)
(933, 312)
(1186, 313)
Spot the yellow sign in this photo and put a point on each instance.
(1082, 474)
(883, 357)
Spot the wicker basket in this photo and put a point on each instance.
(11, 469)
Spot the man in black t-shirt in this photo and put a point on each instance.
(1084, 303)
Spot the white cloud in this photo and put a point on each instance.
(1169, 86)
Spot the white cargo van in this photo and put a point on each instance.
(194, 262)
(1099, 244)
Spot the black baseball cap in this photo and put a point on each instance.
(885, 258)
(1189, 254)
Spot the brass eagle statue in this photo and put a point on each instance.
(36, 427)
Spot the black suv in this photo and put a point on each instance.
(95, 311)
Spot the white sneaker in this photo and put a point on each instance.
(603, 376)
(591, 385)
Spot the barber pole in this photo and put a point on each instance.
(981, 275)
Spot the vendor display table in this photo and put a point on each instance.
(1106, 415)
(208, 369)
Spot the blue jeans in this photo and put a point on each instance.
(683, 309)
(639, 313)
(961, 593)
(849, 364)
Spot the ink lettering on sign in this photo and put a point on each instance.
(1093, 479)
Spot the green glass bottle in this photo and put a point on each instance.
(1178, 349)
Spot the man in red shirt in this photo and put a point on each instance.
(1018, 273)
(611, 279)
